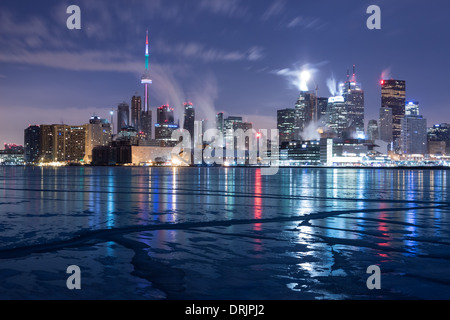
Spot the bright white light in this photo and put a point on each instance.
(361, 136)
(305, 76)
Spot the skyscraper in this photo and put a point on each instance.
(32, 144)
(165, 114)
(440, 133)
(354, 99)
(98, 134)
(75, 145)
(385, 125)
(146, 124)
(165, 123)
(229, 127)
(372, 130)
(136, 110)
(123, 116)
(46, 154)
(63, 143)
(322, 106)
(286, 124)
(304, 112)
(393, 96)
(189, 118)
(146, 115)
(414, 135)
(338, 116)
(220, 123)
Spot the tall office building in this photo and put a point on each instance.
(338, 120)
(440, 133)
(46, 154)
(229, 127)
(220, 125)
(372, 130)
(147, 124)
(123, 116)
(412, 108)
(393, 96)
(60, 136)
(136, 110)
(63, 143)
(354, 99)
(286, 124)
(146, 115)
(304, 112)
(385, 125)
(76, 144)
(414, 135)
(231, 121)
(244, 126)
(32, 144)
(98, 134)
(322, 107)
(165, 123)
(165, 114)
(189, 118)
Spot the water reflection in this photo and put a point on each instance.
(258, 200)
(71, 199)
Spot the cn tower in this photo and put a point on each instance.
(146, 116)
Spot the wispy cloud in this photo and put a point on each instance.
(229, 8)
(306, 23)
(78, 61)
(274, 10)
(195, 50)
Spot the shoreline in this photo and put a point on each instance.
(247, 167)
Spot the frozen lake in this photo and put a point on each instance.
(224, 233)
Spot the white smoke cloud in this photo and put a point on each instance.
(332, 86)
(204, 94)
(297, 78)
(311, 132)
(386, 74)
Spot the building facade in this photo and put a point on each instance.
(305, 109)
(123, 116)
(136, 110)
(32, 144)
(165, 125)
(98, 134)
(414, 135)
(385, 125)
(372, 130)
(189, 118)
(393, 96)
(286, 124)
(338, 120)
(354, 100)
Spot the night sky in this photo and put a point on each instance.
(223, 55)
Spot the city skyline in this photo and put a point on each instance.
(250, 84)
(234, 150)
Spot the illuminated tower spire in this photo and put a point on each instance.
(146, 52)
(146, 116)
